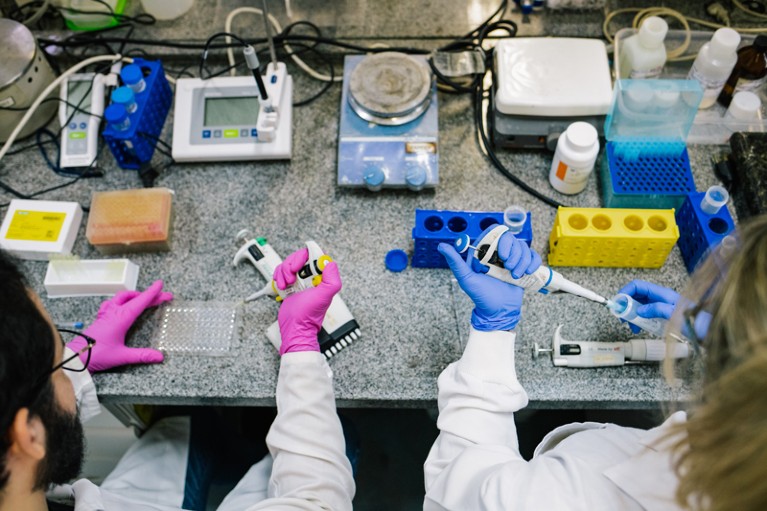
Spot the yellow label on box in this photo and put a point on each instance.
(36, 226)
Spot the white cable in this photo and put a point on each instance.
(300, 63)
(55, 83)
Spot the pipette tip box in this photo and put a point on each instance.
(130, 220)
(94, 277)
(36, 230)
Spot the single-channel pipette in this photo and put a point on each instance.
(566, 353)
(544, 279)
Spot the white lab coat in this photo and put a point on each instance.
(307, 469)
(475, 463)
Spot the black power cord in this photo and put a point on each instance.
(473, 41)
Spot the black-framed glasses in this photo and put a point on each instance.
(74, 363)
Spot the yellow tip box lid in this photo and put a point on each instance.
(130, 220)
(35, 229)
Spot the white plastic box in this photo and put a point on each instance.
(709, 125)
(36, 229)
(93, 277)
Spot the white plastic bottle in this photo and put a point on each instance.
(574, 158)
(744, 112)
(714, 64)
(644, 54)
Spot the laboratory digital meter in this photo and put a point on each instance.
(80, 114)
(222, 119)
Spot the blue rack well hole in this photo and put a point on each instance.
(433, 223)
(487, 222)
(718, 226)
(457, 224)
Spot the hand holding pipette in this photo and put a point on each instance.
(308, 275)
(488, 257)
(497, 304)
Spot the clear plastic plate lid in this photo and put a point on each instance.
(658, 110)
(202, 328)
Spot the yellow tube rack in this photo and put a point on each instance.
(606, 237)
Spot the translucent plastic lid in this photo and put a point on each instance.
(652, 109)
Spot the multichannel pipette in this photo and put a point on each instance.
(266, 260)
(544, 279)
(310, 275)
(339, 328)
(566, 353)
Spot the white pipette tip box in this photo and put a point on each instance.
(36, 229)
(92, 277)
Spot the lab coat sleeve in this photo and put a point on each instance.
(310, 470)
(478, 396)
(85, 391)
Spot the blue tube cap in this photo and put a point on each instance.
(131, 74)
(115, 113)
(396, 260)
(123, 95)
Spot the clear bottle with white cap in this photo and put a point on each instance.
(744, 112)
(714, 63)
(643, 55)
(574, 158)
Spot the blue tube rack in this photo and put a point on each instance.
(433, 227)
(136, 145)
(700, 232)
(645, 175)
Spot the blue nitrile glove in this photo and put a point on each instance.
(658, 301)
(497, 304)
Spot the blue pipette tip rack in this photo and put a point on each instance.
(462, 243)
(396, 260)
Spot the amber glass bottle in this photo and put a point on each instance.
(750, 71)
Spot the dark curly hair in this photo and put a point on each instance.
(26, 353)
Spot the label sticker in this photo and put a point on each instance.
(421, 147)
(36, 226)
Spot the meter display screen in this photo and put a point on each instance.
(239, 111)
(78, 94)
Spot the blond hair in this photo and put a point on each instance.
(721, 459)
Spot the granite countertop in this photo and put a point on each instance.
(413, 323)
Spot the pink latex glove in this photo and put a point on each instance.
(114, 319)
(301, 314)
